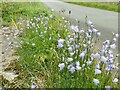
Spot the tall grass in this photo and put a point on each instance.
(112, 6)
(56, 54)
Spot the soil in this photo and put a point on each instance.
(7, 54)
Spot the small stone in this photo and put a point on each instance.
(2, 52)
(69, 12)
(9, 76)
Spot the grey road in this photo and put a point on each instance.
(104, 21)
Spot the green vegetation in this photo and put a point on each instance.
(19, 9)
(101, 5)
(55, 54)
(35, 62)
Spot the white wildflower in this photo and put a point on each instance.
(72, 69)
(33, 24)
(71, 39)
(77, 63)
(51, 16)
(59, 45)
(52, 10)
(73, 34)
(6, 35)
(103, 51)
(97, 66)
(103, 59)
(76, 29)
(92, 56)
(97, 71)
(78, 68)
(33, 44)
(94, 30)
(113, 46)
(69, 66)
(84, 45)
(61, 66)
(92, 26)
(97, 55)
(63, 17)
(81, 31)
(50, 38)
(110, 52)
(114, 39)
(76, 51)
(111, 55)
(107, 42)
(116, 35)
(70, 48)
(61, 41)
(83, 65)
(70, 59)
(89, 42)
(90, 31)
(115, 80)
(33, 86)
(113, 66)
(89, 62)
(22, 42)
(108, 68)
(76, 46)
(76, 36)
(72, 27)
(96, 81)
(8, 38)
(88, 36)
(107, 87)
(16, 32)
(89, 23)
(72, 53)
(98, 33)
(45, 31)
(82, 54)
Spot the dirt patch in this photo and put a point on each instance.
(7, 54)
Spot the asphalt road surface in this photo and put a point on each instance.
(104, 21)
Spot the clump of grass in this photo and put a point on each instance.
(37, 31)
(82, 66)
(112, 6)
(58, 54)
(11, 10)
(11, 14)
